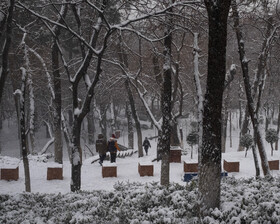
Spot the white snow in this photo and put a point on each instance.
(91, 174)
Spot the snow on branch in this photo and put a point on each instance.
(46, 19)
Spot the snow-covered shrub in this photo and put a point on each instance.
(192, 139)
(242, 201)
(194, 125)
(246, 141)
(271, 137)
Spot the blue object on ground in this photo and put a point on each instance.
(189, 176)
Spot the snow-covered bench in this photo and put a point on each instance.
(55, 171)
(109, 169)
(9, 172)
(145, 169)
(231, 166)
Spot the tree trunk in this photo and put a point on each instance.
(250, 104)
(256, 161)
(58, 147)
(278, 128)
(135, 117)
(199, 95)
(174, 135)
(230, 129)
(21, 103)
(129, 126)
(244, 128)
(224, 129)
(166, 100)
(31, 113)
(6, 48)
(210, 169)
(76, 156)
(90, 127)
(103, 121)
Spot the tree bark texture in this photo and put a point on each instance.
(58, 145)
(278, 127)
(103, 121)
(135, 117)
(210, 169)
(23, 132)
(250, 101)
(199, 94)
(90, 127)
(166, 101)
(76, 152)
(129, 126)
(6, 48)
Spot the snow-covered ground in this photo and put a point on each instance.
(129, 198)
(127, 169)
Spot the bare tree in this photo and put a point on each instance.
(250, 105)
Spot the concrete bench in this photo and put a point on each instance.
(175, 154)
(9, 173)
(190, 167)
(145, 169)
(231, 166)
(190, 175)
(273, 164)
(55, 171)
(109, 170)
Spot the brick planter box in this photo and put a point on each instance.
(231, 166)
(109, 170)
(145, 169)
(190, 167)
(273, 164)
(55, 172)
(9, 173)
(175, 155)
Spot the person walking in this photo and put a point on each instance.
(101, 148)
(146, 145)
(112, 148)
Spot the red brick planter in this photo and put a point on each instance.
(109, 170)
(175, 155)
(145, 169)
(190, 167)
(9, 173)
(55, 172)
(273, 164)
(231, 166)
